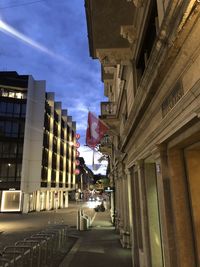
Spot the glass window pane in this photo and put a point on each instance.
(2, 129)
(21, 129)
(19, 95)
(19, 169)
(16, 109)
(5, 94)
(20, 149)
(11, 94)
(9, 108)
(8, 128)
(3, 170)
(2, 108)
(23, 109)
(6, 148)
(3, 179)
(1, 148)
(15, 129)
(11, 170)
(13, 150)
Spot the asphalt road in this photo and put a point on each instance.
(16, 226)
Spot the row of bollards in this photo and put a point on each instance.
(37, 250)
(83, 221)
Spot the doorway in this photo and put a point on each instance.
(153, 215)
(192, 160)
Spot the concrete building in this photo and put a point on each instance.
(149, 51)
(37, 152)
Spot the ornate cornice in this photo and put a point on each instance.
(107, 86)
(121, 170)
(137, 3)
(198, 112)
(122, 84)
(109, 69)
(128, 32)
(114, 56)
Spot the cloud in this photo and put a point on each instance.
(87, 154)
(7, 29)
(60, 27)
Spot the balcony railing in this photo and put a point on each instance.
(108, 108)
(106, 145)
(106, 141)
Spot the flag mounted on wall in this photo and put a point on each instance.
(95, 130)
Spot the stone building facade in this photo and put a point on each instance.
(149, 51)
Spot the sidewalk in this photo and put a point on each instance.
(98, 247)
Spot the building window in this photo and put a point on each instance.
(46, 140)
(56, 116)
(10, 109)
(23, 110)
(2, 108)
(53, 175)
(11, 129)
(47, 108)
(18, 171)
(11, 150)
(45, 157)
(55, 128)
(10, 171)
(16, 109)
(44, 174)
(5, 92)
(54, 161)
(148, 39)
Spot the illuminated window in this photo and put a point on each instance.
(11, 201)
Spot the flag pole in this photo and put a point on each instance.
(93, 160)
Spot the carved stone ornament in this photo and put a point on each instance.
(114, 56)
(137, 3)
(128, 32)
(121, 85)
(107, 86)
(109, 69)
(198, 113)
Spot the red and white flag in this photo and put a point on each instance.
(95, 131)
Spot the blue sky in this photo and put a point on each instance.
(59, 28)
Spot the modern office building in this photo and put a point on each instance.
(37, 151)
(149, 51)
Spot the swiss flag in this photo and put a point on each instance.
(95, 131)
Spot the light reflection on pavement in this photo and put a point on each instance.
(16, 226)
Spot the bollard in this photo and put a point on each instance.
(83, 223)
(79, 215)
(88, 221)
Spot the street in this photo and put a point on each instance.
(17, 226)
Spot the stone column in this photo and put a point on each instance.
(47, 200)
(181, 209)
(25, 208)
(144, 255)
(121, 202)
(38, 201)
(117, 201)
(165, 206)
(126, 203)
(61, 199)
(129, 206)
(111, 205)
(66, 204)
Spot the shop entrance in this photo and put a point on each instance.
(153, 215)
(192, 159)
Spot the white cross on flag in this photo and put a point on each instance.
(95, 131)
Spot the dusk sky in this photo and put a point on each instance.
(48, 40)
